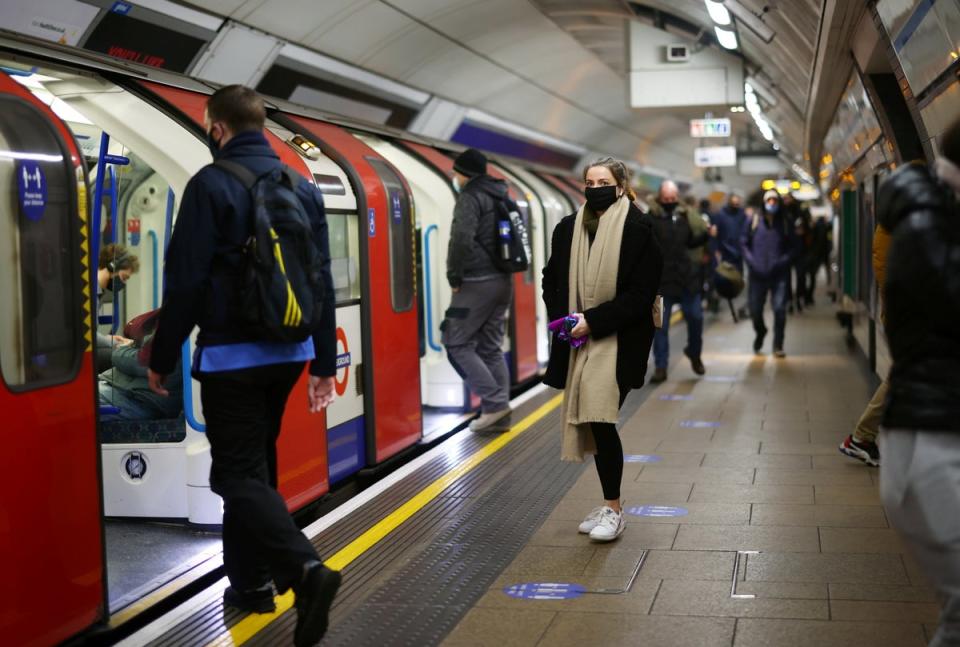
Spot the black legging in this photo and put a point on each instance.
(609, 458)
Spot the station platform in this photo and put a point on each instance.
(747, 527)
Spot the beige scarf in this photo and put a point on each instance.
(592, 394)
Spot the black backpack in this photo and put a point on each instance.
(512, 251)
(281, 289)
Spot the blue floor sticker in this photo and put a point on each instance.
(699, 424)
(675, 398)
(642, 458)
(657, 511)
(545, 591)
(721, 378)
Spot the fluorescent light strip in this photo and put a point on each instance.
(718, 13)
(36, 157)
(726, 37)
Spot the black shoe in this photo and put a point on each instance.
(252, 601)
(659, 375)
(695, 363)
(314, 596)
(758, 341)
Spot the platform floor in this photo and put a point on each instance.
(761, 472)
(746, 456)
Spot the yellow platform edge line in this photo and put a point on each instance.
(252, 624)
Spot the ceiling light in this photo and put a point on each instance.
(726, 38)
(718, 13)
(752, 21)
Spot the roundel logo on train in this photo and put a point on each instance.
(343, 363)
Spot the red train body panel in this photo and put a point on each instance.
(50, 525)
(393, 336)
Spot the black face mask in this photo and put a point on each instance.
(599, 198)
(116, 285)
(668, 207)
(213, 145)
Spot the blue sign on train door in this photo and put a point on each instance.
(397, 210)
(32, 186)
(372, 222)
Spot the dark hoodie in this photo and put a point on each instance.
(473, 236)
(204, 264)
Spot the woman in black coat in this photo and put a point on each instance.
(623, 321)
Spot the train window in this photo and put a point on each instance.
(41, 339)
(400, 218)
(330, 184)
(343, 233)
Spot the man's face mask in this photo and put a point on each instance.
(117, 284)
(668, 207)
(772, 207)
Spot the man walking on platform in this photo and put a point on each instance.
(768, 247)
(245, 366)
(680, 282)
(475, 323)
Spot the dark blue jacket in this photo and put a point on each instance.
(730, 226)
(204, 259)
(769, 246)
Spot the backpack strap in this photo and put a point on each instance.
(247, 177)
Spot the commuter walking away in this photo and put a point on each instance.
(604, 272)
(248, 359)
(680, 282)
(799, 217)
(819, 255)
(475, 323)
(768, 247)
(699, 220)
(731, 221)
(920, 433)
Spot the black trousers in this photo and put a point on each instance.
(243, 410)
(609, 456)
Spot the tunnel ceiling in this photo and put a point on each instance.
(556, 66)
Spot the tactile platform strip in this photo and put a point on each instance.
(425, 599)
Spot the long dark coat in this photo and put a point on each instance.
(628, 315)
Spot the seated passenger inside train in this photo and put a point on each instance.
(115, 266)
(125, 385)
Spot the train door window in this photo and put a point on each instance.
(41, 338)
(343, 233)
(399, 207)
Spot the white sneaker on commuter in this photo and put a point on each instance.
(488, 420)
(610, 526)
(591, 521)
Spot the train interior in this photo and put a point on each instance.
(161, 520)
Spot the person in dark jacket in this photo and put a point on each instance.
(245, 380)
(475, 323)
(920, 433)
(605, 269)
(799, 216)
(768, 245)
(681, 283)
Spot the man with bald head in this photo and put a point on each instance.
(680, 282)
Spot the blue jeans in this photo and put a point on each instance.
(778, 288)
(692, 307)
(130, 408)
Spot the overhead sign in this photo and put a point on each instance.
(710, 156)
(710, 127)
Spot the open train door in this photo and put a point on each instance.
(49, 475)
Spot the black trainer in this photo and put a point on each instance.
(695, 362)
(758, 340)
(314, 596)
(252, 601)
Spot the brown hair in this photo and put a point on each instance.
(239, 107)
(620, 173)
(119, 257)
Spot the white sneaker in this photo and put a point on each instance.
(487, 420)
(610, 526)
(591, 521)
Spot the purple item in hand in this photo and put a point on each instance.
(562, 328)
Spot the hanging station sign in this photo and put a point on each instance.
(711, 156)
(710, 127)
